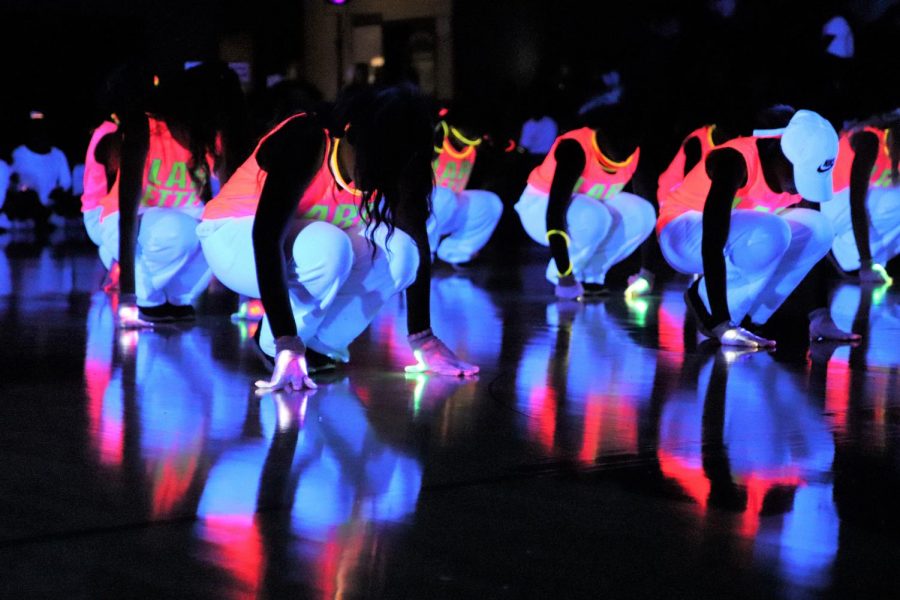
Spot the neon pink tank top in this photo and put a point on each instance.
(95, 183)
(452, 169)
(673, 176)
(881, 170)
(168, 182)
(328, 198)
(754, 195)
(602, 178)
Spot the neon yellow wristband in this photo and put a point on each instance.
(562, 233)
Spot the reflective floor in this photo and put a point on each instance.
(602, 452)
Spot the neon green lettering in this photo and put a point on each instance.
(153, 175)
(597, 191)
(345, 215)
(149, 196)
(318, 212)
(465, 169)
(884, 180)
(178, 176)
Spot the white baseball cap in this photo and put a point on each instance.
(811, 144)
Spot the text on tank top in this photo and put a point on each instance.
(167, 181)
(328, 197)
(881, 170)
(602, 178)
(452, 168)
(755, 194)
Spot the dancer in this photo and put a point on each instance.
(734, 220)
(42, 175)
(575, 204)
(463, 220)
(150, 215)
(323, 250)
(865, 212)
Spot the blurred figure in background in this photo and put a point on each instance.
(462, 220)
(865, 212)
(41, 174)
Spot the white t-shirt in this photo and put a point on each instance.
(538, 135)
(41, 172)
(842, 44)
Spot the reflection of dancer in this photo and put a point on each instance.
(865, 212)
(575, 203)
(463, 220)
(322, 471)
(733, 446)
(286, 228)
(151, 213)
(733, 220)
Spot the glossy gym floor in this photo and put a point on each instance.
(602, 452)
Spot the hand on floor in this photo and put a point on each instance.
(730, 334)
(874, 275)
(823, 328)
(128, 317)
(433, 356)
(290, 372)
(569, 289)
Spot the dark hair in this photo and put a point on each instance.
(128, 90)
(775, 116)
(391, 133)
(208, 103)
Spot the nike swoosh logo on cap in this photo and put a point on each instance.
(826, 166)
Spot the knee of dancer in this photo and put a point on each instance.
(766, 243)
(328, 247)
(645, 214)
(822, 235)
(492, 206)
(403, 260)
(169, 232)
(588, 219)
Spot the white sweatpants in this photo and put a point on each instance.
(336, 286)
(883, 207)
(169, 265)
(462, 223)
(603, 232)
(92, 226)
(766, 255)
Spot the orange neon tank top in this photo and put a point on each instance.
(602, 178)
(672, 177)
(754, 195)
(453, 168)
(95, 183)
(881, 170)
(327, 198)
(168, 182)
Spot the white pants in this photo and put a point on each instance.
(462, 223)
(336, 286)
(883, 208)
(766, 255)
(602, 232)
(92, 226)
(168, 263)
